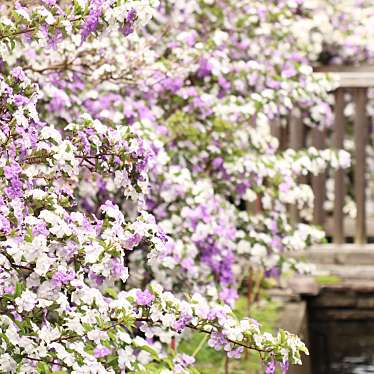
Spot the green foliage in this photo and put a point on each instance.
(327, 279)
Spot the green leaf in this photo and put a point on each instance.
(19, 289)
(111, 292)
(150, 350)
(43, 368)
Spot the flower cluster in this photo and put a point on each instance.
(47, 22)
(110, 188)
(140, 183)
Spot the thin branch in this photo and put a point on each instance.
(230, 341)
(30, 29)
(47, 361)
(14, 265)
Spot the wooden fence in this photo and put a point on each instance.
(356, 82)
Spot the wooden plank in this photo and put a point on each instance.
(339, 187)
(319, 181)
(279, 132)
(275, 129)
(364, 68)
(350, 79)
(296, 142)
(347, 254)
(349, 227)
(296, 131)
(360, 137)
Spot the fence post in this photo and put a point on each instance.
(319, 181)
(360, 137)
(296, 143)
(339, 187)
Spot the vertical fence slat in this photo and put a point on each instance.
(360, 137)
(276, 129)
(319, 181)
(339, 187)
(296, 131)
(279, 132)
(296, 142)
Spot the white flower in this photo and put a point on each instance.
(48, 334)
(43, 263)
(7, 363)
(243, 247)
(27, 301)
(23, 13)
(93, 252)
(126, 358)
(49, 132)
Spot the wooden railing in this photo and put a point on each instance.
(356, 82)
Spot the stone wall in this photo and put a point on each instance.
(294, 318)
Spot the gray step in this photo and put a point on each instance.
(347, 254)
(347, 272)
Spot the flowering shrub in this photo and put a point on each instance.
(133, 150)
(66, 304)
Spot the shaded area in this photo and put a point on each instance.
(354, 365)
(341, 326)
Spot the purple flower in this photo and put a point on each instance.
(181, 323)
(215, 313)
(144, 297)
(242, 187)
(12, 171)
(117, 267)
(9, 290)
(4, 224)
(228, 295)
(63, 277)
(128, 27)
(284, 187)
(217, 162)
(101, 351)
(18, 73)
(224, 87)
(191, 38)
(284, 366)
(187, 263)
(273, 272)
(17, 316)
(172, 85)
(288, 71)
(133, 241)
(20, 100)
(217, 340)
(235, 353)
(270, 367)
(205, 68)
(15, 190)
(182, 361)
(58, 102)
(186, 359)
(40, 229)
(99, 279)
(92, 21)
(273, 84)
(53, 37)
(49, 2)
